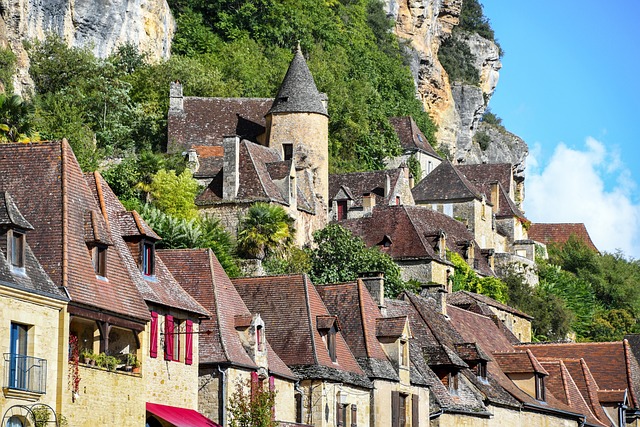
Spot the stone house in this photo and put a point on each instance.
(381, 347)
(413, 143)
(417, 239)
(353, 195)
(249, 150)
(79, 243)
(333, 389)
(33, 323)
(234, 350)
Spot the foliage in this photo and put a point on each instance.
(74, 370)
(465, 279)
(415, 168)
(491, 118)
(7, 69)
(458, 61)
(611, 325)
(251, 407)
(264, 230)
(41, 415)
(202, 232)
(338, 256)
(174, 194)
(16, 119)
(483, 140)
(472, 19)
(293, 261)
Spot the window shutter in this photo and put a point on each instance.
(168, 337)
(354, 416)
(395, 409)
(153, 350)
(415, 411)
(188, 357)
(272, 389)
(339, 420)
(255, 384)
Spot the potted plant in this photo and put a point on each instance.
(110, 363)
(87, 357)
(133, 363)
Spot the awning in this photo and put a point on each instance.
(180, 417)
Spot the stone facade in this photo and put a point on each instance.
(320, 401)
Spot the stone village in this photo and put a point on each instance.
(81, 279)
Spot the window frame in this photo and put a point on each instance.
(99, 260)
(148, 258)
(16, 250)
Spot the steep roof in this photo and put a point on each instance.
(298, 92)
(357, 184)
(559, 233)
(200, 273)
(445, 184)
(485, 173)
(358, 315)
(290, 306)
(410, 135)
(57, 212)
(612, 364)
(10, 215)
(463, 299)
(163, 289)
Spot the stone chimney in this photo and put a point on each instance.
(437, 293)
(368, 201)
(375, 284)
(387, 185)
(231, 164)
(192, 160)
(176, 99)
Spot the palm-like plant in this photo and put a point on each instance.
(265, 230)
(16, 119)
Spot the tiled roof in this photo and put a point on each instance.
(161, 289)
(358, 184)
(445, 184)
(200, 273)
(10, 215)
(57, 212)
(289, 306)
(486, 173)
(359, 317)
(611, 363)
(390, 327)
(95, 230)
(465, 298)
(205, 121)
(298, 92)
(559, 233)
(410, 135)
(519, 362)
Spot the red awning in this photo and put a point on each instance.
(180, 417)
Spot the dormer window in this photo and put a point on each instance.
(16, 249)
(328, 328)
(342, 210)
(99, 260)
(260, 337)
(540, 390)
(287, 151)
(481, 370)
(404, 353)
(148, 259)
(453, 383)
(331, 343)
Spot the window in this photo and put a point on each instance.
(540, 390)
(153, 347)
(453, 383)
(404, 353)
(15, 421)
(447, 209)
(16, 249)
(342, 210)
(260, 338)
(176, 339)
(99, 259)
(341, 414)
(18, 356)
(148, 259)
(481, 369)
(287, 151)
(398, 409)
(397, 200)
(331, 343)
(299, 406)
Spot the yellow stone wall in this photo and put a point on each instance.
(520, 326)
(319, 403)
(525, 382)
(46, 338)
(382, 410)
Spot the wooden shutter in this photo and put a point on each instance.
(395, 409)
(255, 384)
(272, 389)
(168, 337)
(354, 416)
(153, 348)
(415, 411)
(188, 340)
(339, 420)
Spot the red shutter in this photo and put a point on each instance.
(272, 389)
(255, 384)
(168, 337)
(153, 348)
(188, 342)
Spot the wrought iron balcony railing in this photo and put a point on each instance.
(25, 373)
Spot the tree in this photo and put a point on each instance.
(264, 230)
(251, 406)
(16, 119)
(174, 194)
(464, 278)
(339, 256)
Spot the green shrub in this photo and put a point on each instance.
(482, 139)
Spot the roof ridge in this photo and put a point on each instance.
(312, 335)
(217, 313)
(627, 360)
(359, 287)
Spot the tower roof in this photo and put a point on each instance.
(298, 92)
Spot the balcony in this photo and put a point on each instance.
(25, 373)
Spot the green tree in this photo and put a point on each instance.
(339, 256)
(16, 119)
(174, 194)
(465, 279)
(251, 406)
(264, 230)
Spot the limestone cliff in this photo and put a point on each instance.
(456, 107)
(101, 25)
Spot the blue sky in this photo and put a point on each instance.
(570, 87)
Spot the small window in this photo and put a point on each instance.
(397, 200)
(99, 259)
(331, 343)
(540, 390)
(176, 339)
(404, 353)
(481, 370)
(342, 210)
(148, 259)
(287, 151)
(16, 249)
(260, 338)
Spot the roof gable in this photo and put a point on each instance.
(410, 136)
(445, 184)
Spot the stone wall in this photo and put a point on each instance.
(381, 402)
(319, 403)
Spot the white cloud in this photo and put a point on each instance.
(588, 185)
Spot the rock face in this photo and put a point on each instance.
(101, 25)
(456, 107)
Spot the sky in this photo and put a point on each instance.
(570, 87)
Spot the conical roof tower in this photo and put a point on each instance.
(298, 92)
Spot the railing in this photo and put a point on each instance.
(25, 373)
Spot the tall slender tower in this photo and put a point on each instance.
(298, 125)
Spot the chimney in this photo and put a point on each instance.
(231, 164)
(375, 284)
(412, 181)
(368, 202)
(387, 185)
(175, 97)
(437, 293)
(192, 160)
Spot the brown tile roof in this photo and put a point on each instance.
(10, 215)
(410, 135)
(390, 327)
(205, 121)
(290, 306)
(162, 289)
(559, 233)
(358, 184)
(463, 299)
(200, 273)
(519, 362)
(58, 238)
(445, 184)
(611, 363)
(487, 173)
